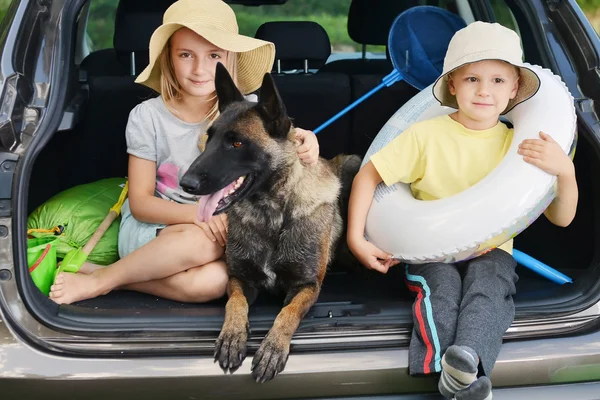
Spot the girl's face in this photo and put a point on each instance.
(194, 62)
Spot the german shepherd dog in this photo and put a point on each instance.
(284, 218)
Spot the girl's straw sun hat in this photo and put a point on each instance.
(480, 41)
(215, 21)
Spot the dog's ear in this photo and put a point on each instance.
(227, 92)
(272, 108)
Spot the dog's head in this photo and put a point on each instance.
(246, 144)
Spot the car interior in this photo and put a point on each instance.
(313, 90)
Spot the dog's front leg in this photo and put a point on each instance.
(230, 348)
(272, 355)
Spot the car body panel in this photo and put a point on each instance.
(37, 360)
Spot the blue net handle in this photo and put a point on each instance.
(387, 81)
(412, 45)
(540, 268)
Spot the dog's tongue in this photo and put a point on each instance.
(208, 204)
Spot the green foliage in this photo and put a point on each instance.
(101, 23)
(335, 26)
(589, 5)
(331, 14)
(3, 7)
(295, 8)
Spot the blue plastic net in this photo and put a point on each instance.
(417, 44)
(418, 41)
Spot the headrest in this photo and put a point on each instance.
(295, 42)
(135, 21)
(369, 21)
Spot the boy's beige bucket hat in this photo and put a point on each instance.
(480, 41)
(215, 21)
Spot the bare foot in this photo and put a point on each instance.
(88, 268)
(69, 288)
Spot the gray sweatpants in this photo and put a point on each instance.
(467, 304)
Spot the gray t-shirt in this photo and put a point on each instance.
(155, 134)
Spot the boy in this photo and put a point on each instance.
(462, 310)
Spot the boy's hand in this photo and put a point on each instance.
(547, 155)
(308, 149)
(372, 257)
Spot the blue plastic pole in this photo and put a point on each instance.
(540, 268)
(387, 81)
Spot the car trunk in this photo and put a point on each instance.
(356, 307)
(353, 301)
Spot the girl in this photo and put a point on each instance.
(165, 249)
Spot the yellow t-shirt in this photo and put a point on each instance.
(440, 158)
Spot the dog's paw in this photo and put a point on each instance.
(230, 349)
(271, 357)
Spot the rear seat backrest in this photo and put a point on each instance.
(369, 23)
(97, 146)
(134, 24)
(310, 98)
(293, 39)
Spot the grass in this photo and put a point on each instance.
(594, 17)
(3, 7)
(589, 5)
(591, 8)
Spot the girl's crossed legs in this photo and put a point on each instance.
(181, 264)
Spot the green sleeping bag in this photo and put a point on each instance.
(79, 211)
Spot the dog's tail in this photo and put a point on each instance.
(345, 167)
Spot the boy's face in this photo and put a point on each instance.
(483, 89)
(194, 62)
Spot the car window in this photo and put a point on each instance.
(332, 15)
(503, 15)
(101, 24)
(3, 7)
(591, 9)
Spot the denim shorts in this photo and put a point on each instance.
(133, 234)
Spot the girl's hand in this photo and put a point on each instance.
(215, 229)
(372, 257)
(308, 150)
(547, 155)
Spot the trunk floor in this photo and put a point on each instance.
(359, 286)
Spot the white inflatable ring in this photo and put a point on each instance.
(490, 212)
